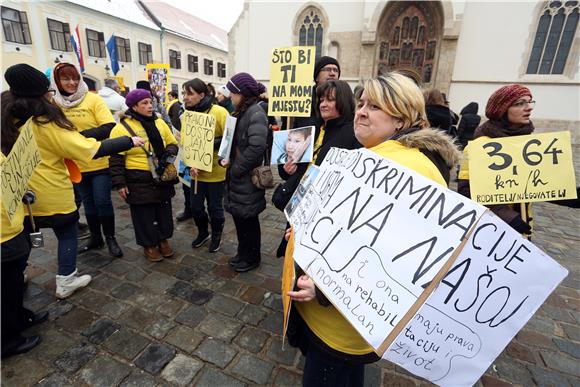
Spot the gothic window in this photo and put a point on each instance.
(311, 30)
(554, 35)
(410, 40)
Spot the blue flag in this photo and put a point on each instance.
(112, 48)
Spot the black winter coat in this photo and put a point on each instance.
(242, 199)
(469, 122)
(440, 117)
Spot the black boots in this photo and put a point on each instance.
(202, 233)
(108, 223)
(96, 239)
(217, 227)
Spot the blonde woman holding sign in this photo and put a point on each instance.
(390, 120)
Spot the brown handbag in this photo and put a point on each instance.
(262, 176)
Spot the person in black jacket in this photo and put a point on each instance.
(438, 112)
(242, 199)
(469, 122)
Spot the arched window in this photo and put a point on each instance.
(554, 35)
(311, 30)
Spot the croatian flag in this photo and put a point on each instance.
(75, 39)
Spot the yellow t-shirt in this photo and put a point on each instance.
(218, 173)
(10, 230)
(135, 158)
(50, 181)
(90, 113)
(327, 322)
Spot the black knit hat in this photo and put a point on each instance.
(145, 85)
(323, 61)
(26, 81)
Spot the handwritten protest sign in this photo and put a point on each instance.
(227, 138)
(521, 169)
(373, 234)
(158, 77)
(18, 168)
(197, 140)
(498, 282)
(291, 82)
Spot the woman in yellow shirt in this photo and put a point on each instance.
(390, 120)
(210, 186)
(92, 118)
(133, 175)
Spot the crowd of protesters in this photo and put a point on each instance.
(98, 143)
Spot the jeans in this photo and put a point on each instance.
(96, 192)
(66, 233)
(214, 194)
(321, 370)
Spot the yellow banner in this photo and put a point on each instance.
(197, 136)
(18, 168)
(291, 82)
(533, 168)
(121, 82)
(158, 77)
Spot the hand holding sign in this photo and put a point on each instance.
(519, 169)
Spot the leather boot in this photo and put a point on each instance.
(165, 249)
(96, 238)
(217, 227)
(108, 223)
(202, 233)
(152, 254)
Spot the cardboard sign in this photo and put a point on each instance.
(197, 137)
(227, 138)
(520, 169)
(498, 282)
(291, 83)
(373, 235)
(295, 145)
(17, 169)
(158, 77)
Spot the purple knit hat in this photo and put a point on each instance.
(135, 96)
(246, 85)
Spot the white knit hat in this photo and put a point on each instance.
(224, 90)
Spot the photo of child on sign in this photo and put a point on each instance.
(295, 146)
(158, 77)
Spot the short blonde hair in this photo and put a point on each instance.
(399, 97)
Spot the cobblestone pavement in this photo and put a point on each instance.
(192, 321)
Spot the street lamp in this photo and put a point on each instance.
(107, 69)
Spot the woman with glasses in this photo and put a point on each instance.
(243, 199)
(92, 118)
(508, 111)
(390, 120)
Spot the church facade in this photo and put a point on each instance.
(465, 49)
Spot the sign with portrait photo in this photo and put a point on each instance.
(158, 77)
(294, 145)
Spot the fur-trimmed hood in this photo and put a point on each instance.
(434, 140)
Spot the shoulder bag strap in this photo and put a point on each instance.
(132, 133)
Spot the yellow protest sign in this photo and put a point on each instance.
(288, 281)
(197, 136)
(18, 168)
(533, 168)
(158, 77)
(121, 82)
(291, 83)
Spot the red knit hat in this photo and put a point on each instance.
(504, 97)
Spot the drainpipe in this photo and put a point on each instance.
(157, 22)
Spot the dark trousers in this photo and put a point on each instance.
(187, 197)
(15, 254)
(321, 370)
(95, 191)
(213, 193)
(152, 222)
(249, 239)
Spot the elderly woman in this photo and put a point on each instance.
(508, 109)
(242, 199)
(390, 120)
(92, 118)
(135, 173)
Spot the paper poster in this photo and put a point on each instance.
(373, 234)
(121, 83)
(227, 139)
(291, 82)
(158, 77)
(301, 190)
(294, 145)
(498, 282)
(17, 168)
(519, 169)
(197, 137)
